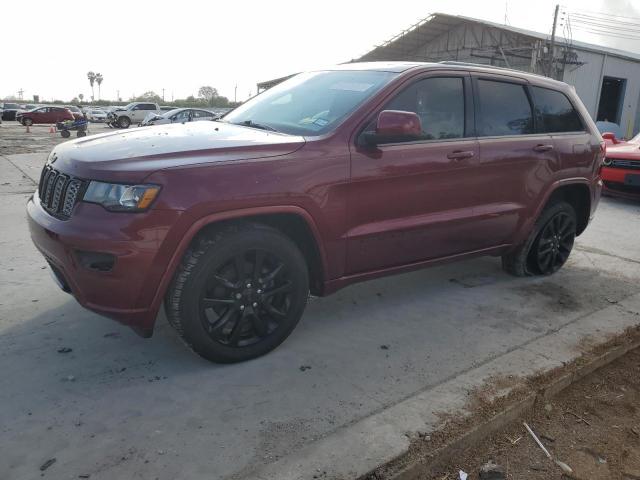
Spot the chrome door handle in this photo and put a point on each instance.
(543, 148)
(460, 155)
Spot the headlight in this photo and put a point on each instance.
(121, 198)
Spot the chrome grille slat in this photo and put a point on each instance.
(58, 192)
(61, 182)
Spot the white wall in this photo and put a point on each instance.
(619, 68)
(588, 81)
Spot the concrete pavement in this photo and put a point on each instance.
(383, 357)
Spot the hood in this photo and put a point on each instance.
(625, 150)
(133, 154)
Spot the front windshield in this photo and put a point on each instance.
(310, 103)
(129, 106)
(11, 105)
(171, 112)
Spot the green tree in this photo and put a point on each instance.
(99, 79)
(92, 78)
(208, 94)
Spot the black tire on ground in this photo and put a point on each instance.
(81, 133)
(124, 122)
(238, 292)
(65, 133)
(27, 122)
(548, 246)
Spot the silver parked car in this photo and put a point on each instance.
(179, 115)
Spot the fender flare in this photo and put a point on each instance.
(528, 225)
(202, 222)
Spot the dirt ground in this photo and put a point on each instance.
(15, 139)
(593, 426)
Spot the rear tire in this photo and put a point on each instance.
(238, 293)
(65, 133)
(81, 133)
(548, 246)
(124, 122)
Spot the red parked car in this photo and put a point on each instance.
(329, 178)
(49, 114)
(621, 168)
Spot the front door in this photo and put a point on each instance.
(414, 201)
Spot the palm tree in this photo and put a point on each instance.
(99, 79)
(81, 97)
(92, 78)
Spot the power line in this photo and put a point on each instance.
(604, 14)
(606, 33)
(613, 22)
(606, 27)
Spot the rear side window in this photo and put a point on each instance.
(439, 102)
(556, 111)
(504, 109)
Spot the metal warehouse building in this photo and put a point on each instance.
(607, 80)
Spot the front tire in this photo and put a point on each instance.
(124, 122)
(238, 293)
(27, 122)
(549, 245)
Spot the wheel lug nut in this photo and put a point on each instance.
(259, 291)
(241, 307)
(248, 285)
(238, 296)
(255, 304)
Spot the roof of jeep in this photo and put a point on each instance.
(400, 67)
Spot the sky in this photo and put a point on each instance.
(178, 46)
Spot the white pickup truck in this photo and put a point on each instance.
(134, 113)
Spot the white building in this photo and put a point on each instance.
(607, 80)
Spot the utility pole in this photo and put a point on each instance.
(163, 94)
(235, 94)
(20, 93)
(553, 41)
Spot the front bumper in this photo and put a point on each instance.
(616, 182)
(127, 291)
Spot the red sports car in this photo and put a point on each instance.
(621, 169)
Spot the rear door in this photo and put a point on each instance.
(559, 118)
(516, 160)
(413, 201)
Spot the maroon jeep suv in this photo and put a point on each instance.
(329, 178)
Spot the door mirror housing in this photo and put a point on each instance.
(394, 126)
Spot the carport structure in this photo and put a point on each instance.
(607, 80)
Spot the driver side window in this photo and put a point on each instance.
(439, 102)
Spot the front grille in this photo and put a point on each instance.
(619, 163)
(58, 192)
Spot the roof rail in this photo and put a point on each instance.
(483, 65)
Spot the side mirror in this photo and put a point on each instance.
(611, 137)
(395, 126)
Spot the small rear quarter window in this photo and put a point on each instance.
(555, 111)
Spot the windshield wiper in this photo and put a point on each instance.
(261, 126)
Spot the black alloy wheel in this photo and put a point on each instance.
(551, 249)
(245, 298)
(239, 292)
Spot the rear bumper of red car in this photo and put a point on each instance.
(622, 182)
